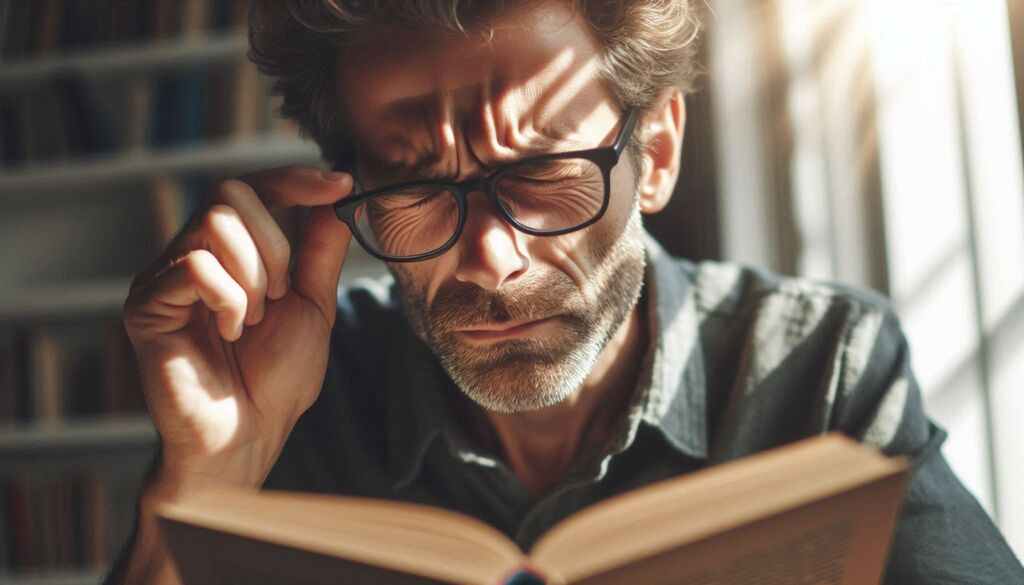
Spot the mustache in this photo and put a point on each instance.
(462, 306)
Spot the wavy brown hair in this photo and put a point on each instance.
(648, 45)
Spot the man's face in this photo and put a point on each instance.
(518, 321)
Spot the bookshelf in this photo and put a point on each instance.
(90, 122)
(16, 441)
(127, 58)
(54, 578)
(221, 156)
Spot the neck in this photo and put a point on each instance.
(540, 445)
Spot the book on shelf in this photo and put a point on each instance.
(56, 372)
(169, 208)
(122, 383)
(8, 367)
(54, 523)
(819, 510)
(37, 27)
(47, 376)
(71, 116)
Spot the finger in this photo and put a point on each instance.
(298, 185)
(197, 277)
(320, 258)
(274, 249)
(225, 234)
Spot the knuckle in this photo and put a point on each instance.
(132, 298)
(279, 252)
(135, 320)
(139, 292)
(135, 308)
(197, 262)
(305, 172)
(231, 190)
(236, 299)
(128, 310)
(221, 217)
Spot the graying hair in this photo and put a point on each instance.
(648, 45)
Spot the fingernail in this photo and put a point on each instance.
(334, 175)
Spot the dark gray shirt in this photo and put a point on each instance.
(739, 360)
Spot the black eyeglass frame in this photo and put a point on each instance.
(605, 157)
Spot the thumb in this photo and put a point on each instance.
(319, 260)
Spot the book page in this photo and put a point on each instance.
(406, 538)
(675, 513)
(838, 541)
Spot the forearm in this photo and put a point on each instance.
(146, 558)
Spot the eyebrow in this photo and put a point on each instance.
(399, 173)
(426, 169)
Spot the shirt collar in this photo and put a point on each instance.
(675, 400)
(672, 394)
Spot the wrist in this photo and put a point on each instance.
(246, 467)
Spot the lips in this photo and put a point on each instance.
(502, 330)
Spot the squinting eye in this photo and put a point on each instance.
(541, 181)
(407, 200)
(550, 172)
(427, 200)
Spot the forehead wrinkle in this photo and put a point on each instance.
(521, 78)
(410, 153)
(516, 92)
(429, 165)
(499, 118)
(521, 104)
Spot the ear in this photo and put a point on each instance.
(664, 130)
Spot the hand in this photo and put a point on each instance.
(232, 348)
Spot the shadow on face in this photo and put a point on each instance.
(426, 107)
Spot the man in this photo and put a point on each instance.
(537, 352)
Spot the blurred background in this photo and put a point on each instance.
(872, 142)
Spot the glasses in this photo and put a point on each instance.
(547, 195)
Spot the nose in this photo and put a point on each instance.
(491, 252)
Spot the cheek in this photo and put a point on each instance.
(420, 281)
(582, 254)
(569, 254)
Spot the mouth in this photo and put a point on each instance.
(505, 330)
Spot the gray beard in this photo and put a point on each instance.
(529, 373)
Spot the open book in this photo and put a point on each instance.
(819, 511)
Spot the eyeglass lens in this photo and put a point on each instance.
(544, 196)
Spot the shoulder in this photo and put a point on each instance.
(807, 354)
(731, 290)
(785, 312)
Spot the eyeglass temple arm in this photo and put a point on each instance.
(627, 130)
